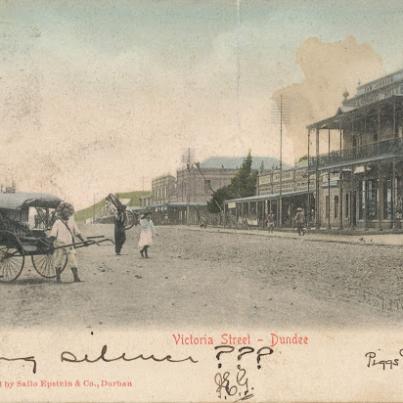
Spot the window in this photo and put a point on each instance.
(387, 199)
(327, 207)
(252, 208)
(372, 199)
(336, 206)
(361, 200)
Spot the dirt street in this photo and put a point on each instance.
(200, 278)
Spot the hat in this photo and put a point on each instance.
(299, 209)
(65, 206)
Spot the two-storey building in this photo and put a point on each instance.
(359, 183)
(278, 192)
(196, 184)
(163, 189)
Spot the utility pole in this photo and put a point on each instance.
(280, 221)
(93, 210)
(188, 188)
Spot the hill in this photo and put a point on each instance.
(97, 209)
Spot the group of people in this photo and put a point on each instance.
(65, 232)
(299, 220)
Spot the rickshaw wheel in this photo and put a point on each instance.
(45, 265)
(12, 257)
(130, 219)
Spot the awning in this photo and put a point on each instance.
(270, 196)
(19, 200)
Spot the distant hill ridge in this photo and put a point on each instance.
(212, 162)
(236, 162)
(87, 213)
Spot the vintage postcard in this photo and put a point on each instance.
(201, 201)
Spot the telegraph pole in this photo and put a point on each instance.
(189, 187)
(93, 211)
(280, 221)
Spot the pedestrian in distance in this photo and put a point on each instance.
(147, 232)
(65, 231)
(270, 222)
(300, 221)
(120, 234)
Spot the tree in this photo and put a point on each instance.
(243, 184)
(215, 205)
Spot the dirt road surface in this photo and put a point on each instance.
(200, 278)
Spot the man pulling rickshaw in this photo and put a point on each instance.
(50, 254)
(65, 231)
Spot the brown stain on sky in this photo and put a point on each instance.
(329, 69)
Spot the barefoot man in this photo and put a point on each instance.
(65, 231)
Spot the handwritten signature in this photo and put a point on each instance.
(27, 359)
(386, 364)
(68, 356)
(239, 387)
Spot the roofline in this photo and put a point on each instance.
(163, 176)
(176, 204)
(274, 171)
(208, 169)
(379, 78)
(341, 116)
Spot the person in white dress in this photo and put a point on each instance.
(147, 232)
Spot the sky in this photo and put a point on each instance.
(101, 96)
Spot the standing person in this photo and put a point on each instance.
(146, 234)
(270, 222)
(120, 234)
(300, 221)
(65, 231)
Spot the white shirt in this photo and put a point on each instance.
(62, 233)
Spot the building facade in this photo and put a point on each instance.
(360, 183)
(163, 189)
(197, 184)
(145, 201)
(279, 193)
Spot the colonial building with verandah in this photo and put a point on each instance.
(360, 183)
(287, 188)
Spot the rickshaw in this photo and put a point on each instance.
(25, 219)
(131, 218)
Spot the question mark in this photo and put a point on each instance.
(245, 350)
(260, 354)
(230, 349)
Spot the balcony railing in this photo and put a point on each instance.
(383, 148)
